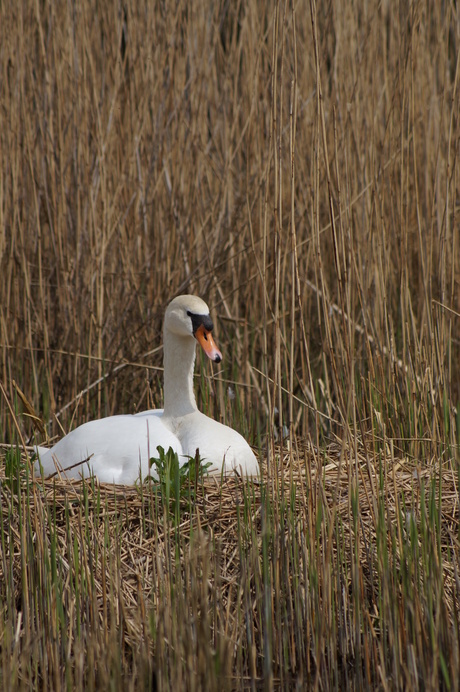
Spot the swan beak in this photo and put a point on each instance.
(207, 343)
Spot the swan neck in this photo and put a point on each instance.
(179, 363)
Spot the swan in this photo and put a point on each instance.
(117, 449)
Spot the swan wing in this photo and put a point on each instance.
(218, 444)
(115, 449)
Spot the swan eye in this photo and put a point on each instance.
(204, 338)
(200, 320)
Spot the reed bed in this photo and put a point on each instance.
(296, 165)
(347, 573)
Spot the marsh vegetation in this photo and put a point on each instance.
(296, 165)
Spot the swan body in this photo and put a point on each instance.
(117, 449)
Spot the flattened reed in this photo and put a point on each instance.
(336, 575)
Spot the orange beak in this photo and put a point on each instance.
(207, 343)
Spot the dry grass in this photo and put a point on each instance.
(297, 167)
(351, 569)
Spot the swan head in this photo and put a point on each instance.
(188, 316)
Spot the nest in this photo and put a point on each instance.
(202, 554)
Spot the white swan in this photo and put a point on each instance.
(117, 449)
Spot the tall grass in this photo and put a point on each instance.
(296, 166)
